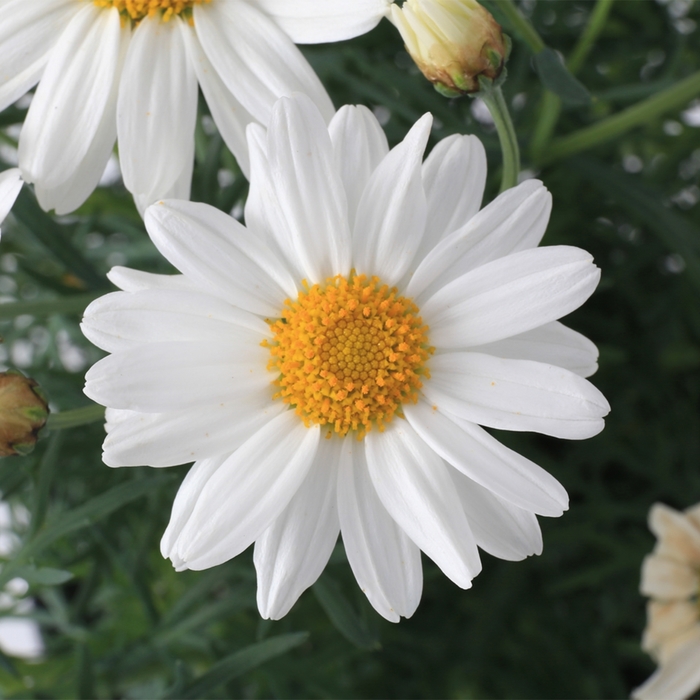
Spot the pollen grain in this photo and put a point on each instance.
(349, 353)
(136, 10)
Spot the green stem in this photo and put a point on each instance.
(550, 108)
(74, 304)
(493, 97)
(595, 25)
(665, 101)
(521, 25)
(76, 417)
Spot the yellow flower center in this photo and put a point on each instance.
(349, 352)
(136, 10)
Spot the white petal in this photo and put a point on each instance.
(176, 376)
(157, 108)
(414, 485)
(553, 344)
(71, 193)
(248, 492)
(134, 280)
(28, 32)
(187, 496)
(220, 255)
(515, 395)
(308, 189)
(69, 104)
(454, 177)
(510, 296)
(391, 215)
(256, 60)
(678, 678)
(313, 22)
(123, 320)
(293, 552)
(167, 439)
(483, 459)
(360, 145)
(502, 529)
(385, 561)
(230, 116)
(516, 220)
(10, 185)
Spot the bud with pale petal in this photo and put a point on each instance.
(23, 412)
(453, 42)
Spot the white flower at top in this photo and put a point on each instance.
(327, 366)
(671, 578)
(130, 68)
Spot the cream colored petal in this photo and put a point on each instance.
(679, 538)
(667, 579)
(677, 678)
(666, 621)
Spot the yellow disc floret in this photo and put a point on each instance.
(349, 352)
(136, 10)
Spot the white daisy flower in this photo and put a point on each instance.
(130, 68)
(671, 578)
(10, 185)
(328, 365)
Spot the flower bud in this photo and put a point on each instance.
(453, 42)
(23, 412)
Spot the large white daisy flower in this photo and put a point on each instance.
(131, 68)
(327, 366)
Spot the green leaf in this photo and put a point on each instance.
(43, 576)
(87, 514)
(241, 662)
(342, 614)
(555, 76)
(645, 204)
(52, 235)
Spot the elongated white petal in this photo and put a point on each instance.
(500, 528)
(69, 104)
(248, 492)
(187, 496)
(311, 22)
(515, 395)
(167, 439)
(28, 32)
(516, 220)
(386, 563)
(553, 344)
(414, 485)
(10, 185)
(135, 280)
(157, 108)
(454, 177)
(120, 321)
(360, 145)
(176, 376)
(391, 215)
(293, 552)
(230, 116)
(678, 678)
(479, 456)
(71, 193)
(254, 58)
(308, 189)
(220, 255)
(510, 296)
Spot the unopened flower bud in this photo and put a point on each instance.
(23, 412)
(453, 42)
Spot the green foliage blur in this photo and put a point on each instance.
(118, 622)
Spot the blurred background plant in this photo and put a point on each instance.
(620, 150)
